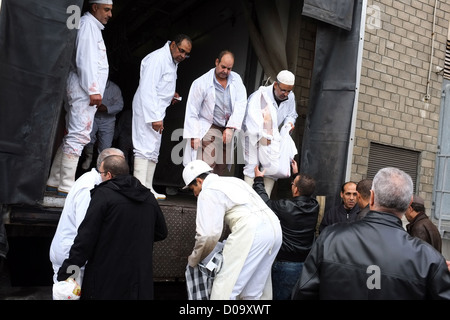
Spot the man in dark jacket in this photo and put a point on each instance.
(374, 258)
(116, 237)
(363, 188)
(346, 211)
(298, 218)
(420, 226)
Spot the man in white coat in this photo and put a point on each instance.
(104, 122)
(215, 110)
(268, 109)
(255, 239)
(85, 87)
(75, 206)
(156, 92)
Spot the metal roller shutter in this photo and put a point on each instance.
(381, 156)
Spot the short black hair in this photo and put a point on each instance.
(363, 187)
(116, 165)
(418, 207)
(306, 185)
(201, 176)
(180, 37)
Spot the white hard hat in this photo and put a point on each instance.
(193, 169)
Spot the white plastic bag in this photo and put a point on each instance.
(276, 158)
(66, 290)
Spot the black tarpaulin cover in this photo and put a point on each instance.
(35, 50)
(336, 12)
(328, 123)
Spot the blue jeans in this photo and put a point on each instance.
(284, 277)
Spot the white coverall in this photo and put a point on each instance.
(88, 76)
(154, 94)
(72, 215)
(104, 122)
(254, 126)
(250, 248)
(200, 109)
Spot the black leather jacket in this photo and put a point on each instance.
(298, 218)
(375, 259)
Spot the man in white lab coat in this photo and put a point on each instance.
(269, 109)
(253, 243)
(73, 213)
(156, 92)
(85, 87)
(215, 109)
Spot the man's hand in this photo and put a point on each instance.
(102, 108)
(195, 143)
(227, 135)
(176, 98)
(292, 127)
(95, 99)
(259, 173)
(294, 167)
(264, 142)
(158, 126)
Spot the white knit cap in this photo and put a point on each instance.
(101, 1)
(286, 77)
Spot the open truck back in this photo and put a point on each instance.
(36, 44)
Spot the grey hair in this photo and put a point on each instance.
(106, 153)
(393, 189)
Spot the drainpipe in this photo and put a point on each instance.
(351, 142)
(433, 35)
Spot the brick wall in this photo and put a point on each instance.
(392, 104)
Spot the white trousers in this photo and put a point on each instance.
(79, 118)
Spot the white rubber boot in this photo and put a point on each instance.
(140, 169)
(54, 177)
(149, 181)
(268, 185)
(248, 180)
(69, 165)
(89, 151)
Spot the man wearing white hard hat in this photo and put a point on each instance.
(85, 87)
(268, 109)
(255, 237)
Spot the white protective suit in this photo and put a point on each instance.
(263, 119)
(156, 89)
(104, 122)
(200, 109)
(72, 215)
(88, 76)
(250, 248)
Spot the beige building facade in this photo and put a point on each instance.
(398, 109)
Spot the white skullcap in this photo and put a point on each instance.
(286, 77)
(101, 1)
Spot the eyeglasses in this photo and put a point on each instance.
(182, 51)
(103, 172)
(283, 90)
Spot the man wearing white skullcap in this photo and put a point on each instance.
(268, 109)
(85, 87)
